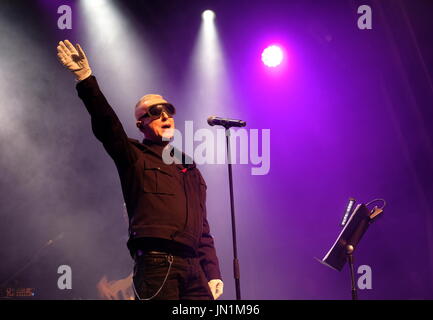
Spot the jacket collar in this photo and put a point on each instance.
(146, 148)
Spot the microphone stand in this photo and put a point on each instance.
(32, 259)
(236, 270)
(349, 251)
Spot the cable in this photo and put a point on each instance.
(375, 200)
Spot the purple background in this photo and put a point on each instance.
(349, 115)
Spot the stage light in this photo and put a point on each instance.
(207, 69)
(115, 45)
(272, 56)
(208, 15)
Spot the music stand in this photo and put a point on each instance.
(343, 248)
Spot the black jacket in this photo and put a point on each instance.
(163, 201)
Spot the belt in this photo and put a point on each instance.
(162, 247)
(140, 253)
(156, 252)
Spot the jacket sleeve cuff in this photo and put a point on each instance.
(212, 273)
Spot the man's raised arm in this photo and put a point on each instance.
(105, 123)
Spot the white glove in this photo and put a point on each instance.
(216, 287)
(74, 59)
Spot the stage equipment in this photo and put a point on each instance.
(227, 124)
(347, 241)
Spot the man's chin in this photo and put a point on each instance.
(167, 135)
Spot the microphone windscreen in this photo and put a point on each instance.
(210, 120)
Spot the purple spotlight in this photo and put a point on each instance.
(272, 56)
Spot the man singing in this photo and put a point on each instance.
(169, 236)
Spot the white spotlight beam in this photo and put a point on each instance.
(207, 75)
(118, 52)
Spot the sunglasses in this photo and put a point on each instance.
(156, 111)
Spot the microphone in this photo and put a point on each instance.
(227, 123)
(51, 241)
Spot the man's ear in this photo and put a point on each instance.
(140, 125)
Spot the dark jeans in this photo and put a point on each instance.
(186, 279)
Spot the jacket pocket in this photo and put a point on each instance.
(159, 181)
